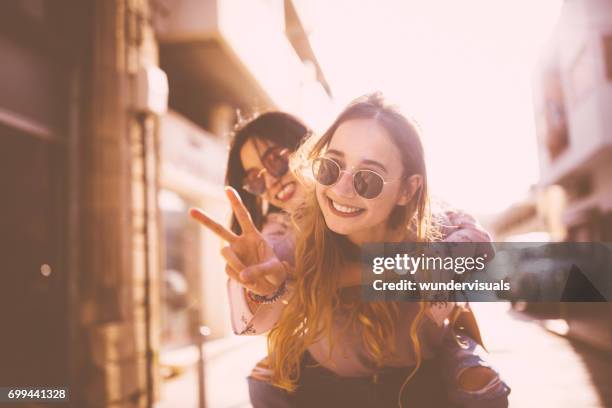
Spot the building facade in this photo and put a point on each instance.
(573, 99)
(102, 267)
(80, 215)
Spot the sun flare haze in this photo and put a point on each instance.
(462, 69)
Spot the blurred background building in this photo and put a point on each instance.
(573, 100)
(80, 225)
(115, 118)
(573, 200)
(573, 105)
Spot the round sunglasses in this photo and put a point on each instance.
(367, 183)
(276, 163)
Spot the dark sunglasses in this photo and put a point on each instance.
(367, 183)
(276, 163)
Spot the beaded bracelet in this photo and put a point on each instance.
(266, 300)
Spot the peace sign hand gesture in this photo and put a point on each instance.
(250, 259)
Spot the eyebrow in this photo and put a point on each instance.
(266, 147)
(366, 161)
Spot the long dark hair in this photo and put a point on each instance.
(280, 128)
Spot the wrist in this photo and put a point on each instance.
(260, 299)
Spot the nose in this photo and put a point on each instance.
(269, 179)
(344, 186)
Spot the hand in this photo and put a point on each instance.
(250, 259)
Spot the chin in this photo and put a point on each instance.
(296, 201)
(280, 204)
(334, 228)
(339, 226)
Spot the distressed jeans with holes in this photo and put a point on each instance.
(461, 352)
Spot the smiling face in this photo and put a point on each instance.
(362, 144)
(284, 192)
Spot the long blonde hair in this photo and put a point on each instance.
(321, 254)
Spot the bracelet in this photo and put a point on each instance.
(266, 300)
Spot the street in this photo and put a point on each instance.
(542, 368)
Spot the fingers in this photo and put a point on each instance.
(273, 270)
(233, 268)
(261, 287)
(241, 213)
(261, 249)
(232, 259)
(232, 273)
(212, 225)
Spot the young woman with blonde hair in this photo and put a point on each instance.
(328, 347)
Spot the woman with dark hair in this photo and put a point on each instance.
(258, 170)
(258, 165)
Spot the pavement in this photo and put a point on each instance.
(542, 368)
(228, 362)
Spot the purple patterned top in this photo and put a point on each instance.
(349, 357)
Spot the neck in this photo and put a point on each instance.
(381, 234)
(351, 273)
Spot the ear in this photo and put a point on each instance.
(411, 187)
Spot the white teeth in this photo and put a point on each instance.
(344, 208)
(281, 195)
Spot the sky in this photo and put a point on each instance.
(462, 69)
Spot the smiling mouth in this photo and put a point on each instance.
(286, 192)
(344, 210)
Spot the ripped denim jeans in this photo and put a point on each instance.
(459, 353)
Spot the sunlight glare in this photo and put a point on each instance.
(463, 70)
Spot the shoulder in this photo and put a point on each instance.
(277, 223)
(278, 232)
(457, 226)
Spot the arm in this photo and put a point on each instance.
(249, 318)
(252, 264)
(462, 227)
(457, 226)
